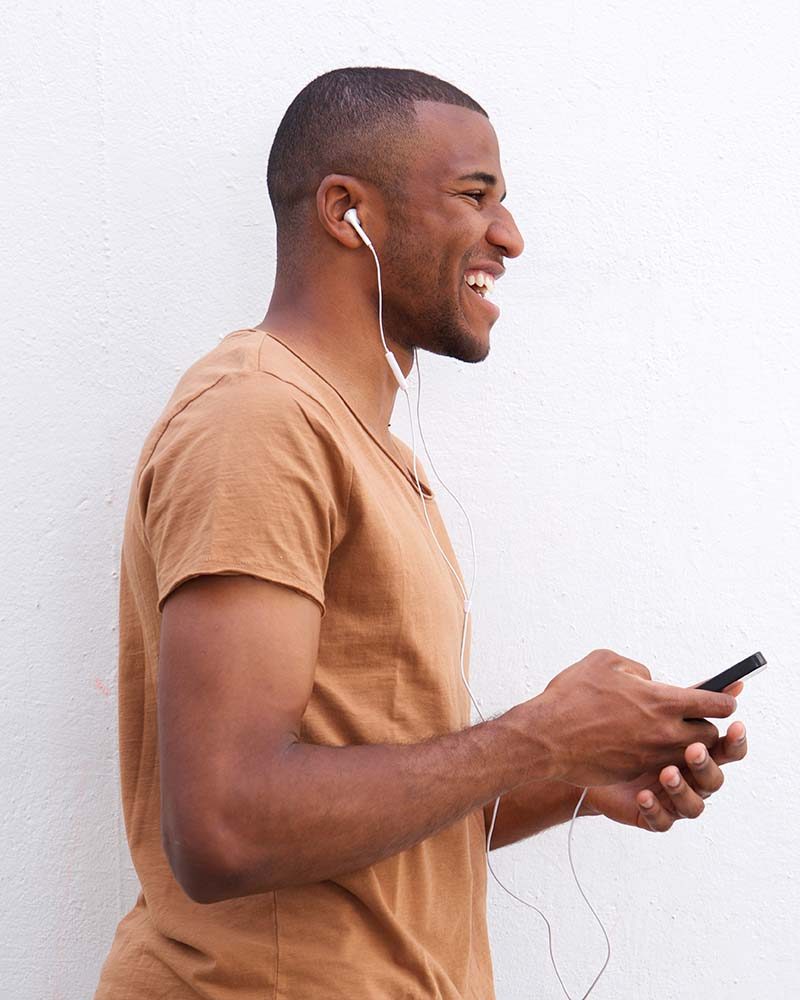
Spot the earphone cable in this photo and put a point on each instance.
(467, 608)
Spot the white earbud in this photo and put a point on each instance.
(351, 216)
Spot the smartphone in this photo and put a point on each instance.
(748, 667)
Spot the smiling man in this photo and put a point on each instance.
(305, 799)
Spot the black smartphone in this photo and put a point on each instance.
(748, 667)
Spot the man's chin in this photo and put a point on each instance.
(461, 343)
(472, 344)
(476, 348)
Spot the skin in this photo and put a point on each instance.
(455, 223)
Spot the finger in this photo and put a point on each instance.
(688, 804)
(697, 704)
(734, 745)
(705, 772)
(655, 815)
(699, 731)
(734, 689)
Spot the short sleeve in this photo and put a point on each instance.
(246, 478)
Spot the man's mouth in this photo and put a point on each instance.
(480, 285)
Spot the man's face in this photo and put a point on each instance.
(446, 228)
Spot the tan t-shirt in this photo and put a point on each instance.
(259, 464)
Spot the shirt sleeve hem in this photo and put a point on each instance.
(226, 567)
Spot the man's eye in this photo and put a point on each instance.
(476, 194)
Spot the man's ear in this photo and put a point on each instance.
(335, 195)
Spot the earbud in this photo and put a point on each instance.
(351, 216)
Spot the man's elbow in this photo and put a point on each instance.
(208, 869)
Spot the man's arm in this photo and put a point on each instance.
(246, 807)
(531, 808)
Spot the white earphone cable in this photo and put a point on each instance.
(474, 702)
(467, 608)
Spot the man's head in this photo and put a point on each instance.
(414, 155)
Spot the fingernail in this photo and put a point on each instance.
(674, 780)
(742, 737)
(700, 758)
(647, 802)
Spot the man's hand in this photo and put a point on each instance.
(651, 803)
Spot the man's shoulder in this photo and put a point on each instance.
(238, 396)
(243, 382)
(252, 369)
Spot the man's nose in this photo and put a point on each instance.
(503, 233)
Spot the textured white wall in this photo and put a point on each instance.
(627, 452)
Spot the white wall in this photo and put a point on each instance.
(627, 453)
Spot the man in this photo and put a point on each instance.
(305, 800)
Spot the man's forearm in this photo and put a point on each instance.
(314, 812)
(531, 808)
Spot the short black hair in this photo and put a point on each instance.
(359, 120)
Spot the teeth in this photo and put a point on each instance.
(482, 280)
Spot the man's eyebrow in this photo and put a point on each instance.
(484, 178)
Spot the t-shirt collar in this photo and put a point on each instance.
(350, 397)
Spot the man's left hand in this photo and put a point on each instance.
(652, 803)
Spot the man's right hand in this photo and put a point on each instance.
(607, 721)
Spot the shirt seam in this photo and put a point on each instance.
(266, 371)
(274, 576)
(213, 385)
(403, 468)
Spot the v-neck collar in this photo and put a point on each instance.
(316, 368)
